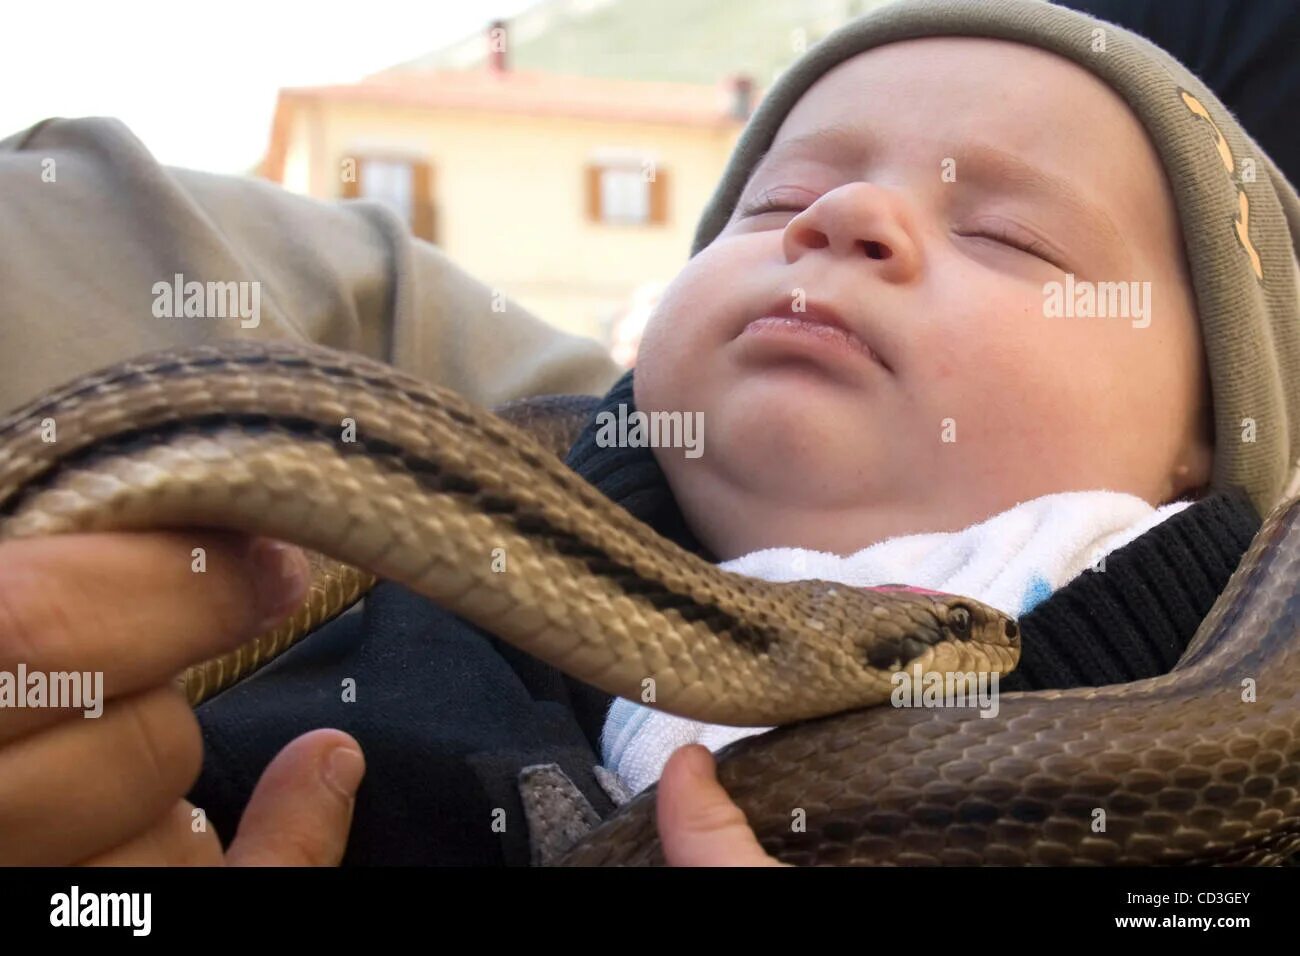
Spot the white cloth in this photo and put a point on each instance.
(1012, 561)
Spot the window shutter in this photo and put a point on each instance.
(352, 189)
(593, 193)
(659, 196)
(422, 211)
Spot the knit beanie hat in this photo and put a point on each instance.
(1240, 218)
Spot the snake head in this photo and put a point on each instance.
(971, 621)
(925, 619)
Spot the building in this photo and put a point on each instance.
(569, 194)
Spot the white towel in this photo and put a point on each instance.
(1012, 561)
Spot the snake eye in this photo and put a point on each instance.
(959, 621)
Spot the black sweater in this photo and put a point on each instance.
(447, 714)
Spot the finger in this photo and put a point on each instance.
(301, 809)
(699, 825)
(136, 608)
(178, 838)
(85, 786)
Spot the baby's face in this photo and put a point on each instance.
(921, 196)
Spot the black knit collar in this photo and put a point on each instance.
(1127, 622)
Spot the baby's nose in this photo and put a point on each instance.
(858, 221)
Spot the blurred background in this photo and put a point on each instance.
(561, 151)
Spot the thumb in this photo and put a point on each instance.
(699, 825)
(301, 809)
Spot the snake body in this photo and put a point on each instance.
(384, 475)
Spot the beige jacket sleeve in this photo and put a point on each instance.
(91, 225)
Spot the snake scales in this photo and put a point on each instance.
(353, 460)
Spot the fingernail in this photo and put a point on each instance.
(281, 579)
(344, 769)
(697, 763)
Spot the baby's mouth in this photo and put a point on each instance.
(816, 326)
(829, 333)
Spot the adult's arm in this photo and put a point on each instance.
(92, 222)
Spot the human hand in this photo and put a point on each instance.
(699, 825)
(110, 790)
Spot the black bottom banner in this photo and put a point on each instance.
(214, 906)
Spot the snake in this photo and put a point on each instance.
(380, 475)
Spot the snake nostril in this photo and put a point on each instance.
(1012, 630)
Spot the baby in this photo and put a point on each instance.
(914, 204)
(872, 328)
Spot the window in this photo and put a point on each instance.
(405, 185)
(389, 181)
(626, 194)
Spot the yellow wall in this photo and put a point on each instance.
(511, 196)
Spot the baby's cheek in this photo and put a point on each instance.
(652, 367)
(678, 318)
(668, 370)
(997, 396)
(678, 341)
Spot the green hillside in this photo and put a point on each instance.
(698, 41)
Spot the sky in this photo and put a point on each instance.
(196, 81)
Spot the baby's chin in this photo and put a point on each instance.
(763, 442)
(802, 407)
